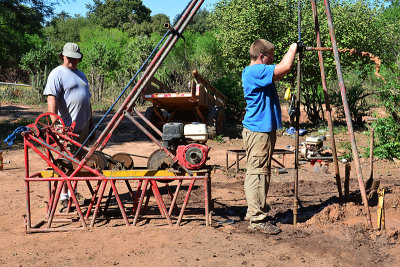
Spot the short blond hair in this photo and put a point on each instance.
(261, 46)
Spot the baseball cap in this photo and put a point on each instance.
(71, 50)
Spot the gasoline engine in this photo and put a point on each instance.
(186, 142)
(313, 149)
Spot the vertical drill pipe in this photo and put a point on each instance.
(296, 158)
(347, 113)
(347, 169)
(328, 110)
(296, 153)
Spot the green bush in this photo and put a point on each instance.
(358, 93)
(388, 128)
(388, 139)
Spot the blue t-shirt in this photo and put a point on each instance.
(263, 110)
(71, 89)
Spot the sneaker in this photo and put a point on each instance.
(265, 227)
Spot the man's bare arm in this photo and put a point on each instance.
(284, 67)
(52, 106)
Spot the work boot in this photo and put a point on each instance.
(265, 227)
(63, 205)
(80, 199)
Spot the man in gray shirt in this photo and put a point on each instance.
(68, 95)
(67, 91)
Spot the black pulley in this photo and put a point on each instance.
(158, 160)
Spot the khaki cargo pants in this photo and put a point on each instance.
(259, 148)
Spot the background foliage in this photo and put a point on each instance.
(117, 36)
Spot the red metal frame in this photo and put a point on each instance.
(53, 140)
(31, 141)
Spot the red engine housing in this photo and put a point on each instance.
(193, 156)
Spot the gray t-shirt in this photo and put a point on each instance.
(71, 89)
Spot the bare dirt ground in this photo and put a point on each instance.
(328, 233)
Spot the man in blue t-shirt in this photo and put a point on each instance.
(262, 119)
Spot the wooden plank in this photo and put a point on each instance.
(155, 86)
(208, 85)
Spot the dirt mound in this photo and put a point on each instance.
(336, 213)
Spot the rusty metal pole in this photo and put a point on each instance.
(149, 72)
(180, 26)
(328, 110)
(347, 113)
(296, 150)
(297, 105)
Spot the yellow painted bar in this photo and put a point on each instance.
(124, 173)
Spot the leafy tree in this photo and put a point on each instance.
(39, 62)
(156, 24)
(136, 52)
(239, 23)
(119, 14)
(389, 92)
(358, 96)
(387, 33)
(201, 22)
(18, 21)
(387, 27)
(64, 28)
(102, 50)
(38, 58)
(388, 144)
(197, 51)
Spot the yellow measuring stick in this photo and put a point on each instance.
(381, 209)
